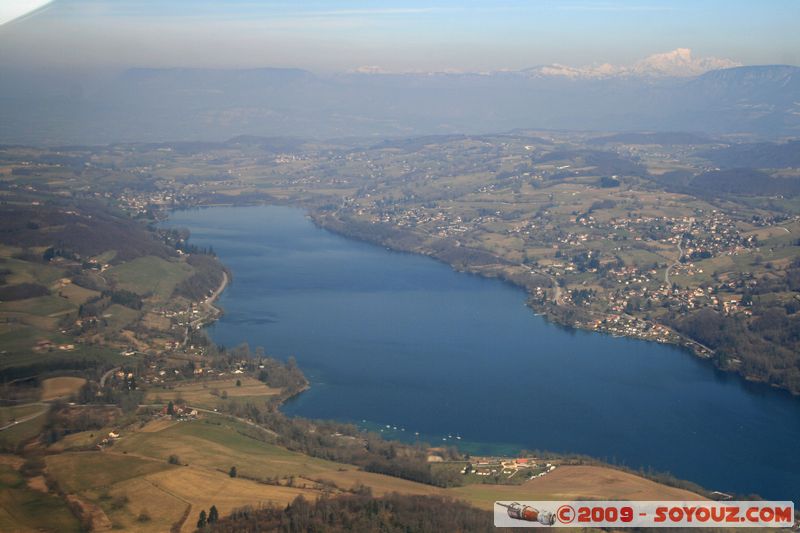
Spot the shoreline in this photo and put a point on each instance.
(697, 349)
(341, 228)
(211, 300)
(314, 217)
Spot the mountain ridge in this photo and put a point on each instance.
(201, 104)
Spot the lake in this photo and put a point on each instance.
(398, 340)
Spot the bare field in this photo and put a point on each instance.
(61, 387)
(165, 496)
(205, 488)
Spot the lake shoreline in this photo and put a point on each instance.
(550, 311)
(290, 234)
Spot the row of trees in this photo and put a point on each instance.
(394, 513)
(209, 519)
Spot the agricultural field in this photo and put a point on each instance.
(133, 479)
(208, 393)
(61, 387)
(150, 276)
(20, 424)
(24, 509)
(8, 414)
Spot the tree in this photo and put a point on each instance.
(201, 522)
(213, 514)
(170, 408)
(238, 382)
(233, 472)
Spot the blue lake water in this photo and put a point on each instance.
(394, 339)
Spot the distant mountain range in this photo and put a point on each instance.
(658, 94)
(677, 63)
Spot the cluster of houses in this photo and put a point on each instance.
(627, 326)
(109, 440)
(492, 466)
(179, 412)
(46, 345)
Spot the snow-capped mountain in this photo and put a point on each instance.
(678, 63)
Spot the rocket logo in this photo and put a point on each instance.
(527, 513)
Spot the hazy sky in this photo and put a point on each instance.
(395, 35)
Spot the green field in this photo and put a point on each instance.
(81, 471)
(31, 272)
(23, 431)
(118, 317)
(16, 412)
(22, 361)
(220, 445)
(150, 275)
(42, 306)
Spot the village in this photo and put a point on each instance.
(495, 470)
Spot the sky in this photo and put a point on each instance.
(395, 35)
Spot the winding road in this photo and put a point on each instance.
(208, 306)
(680, 255)
(106, 376)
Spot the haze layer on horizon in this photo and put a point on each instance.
(389, 35)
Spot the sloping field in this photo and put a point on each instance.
(165, 496)
(157, 425)
(381, 484)
(61, 387)
(76, 294)
(21, 423)
(206, 393)
(150, 275)
(26, 510)
(139, 491)
(217, 445)
(81, 471)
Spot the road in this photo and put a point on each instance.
(26, 418)
(553, 281)
(106, 376)
(680, 255)
(209, 302)
(557, 295)
(209, 308)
